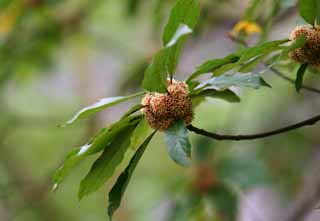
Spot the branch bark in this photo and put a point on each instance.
(216, 136)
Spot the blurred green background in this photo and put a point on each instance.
(58, 56)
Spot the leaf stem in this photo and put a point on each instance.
(216, 136)
(305, 87)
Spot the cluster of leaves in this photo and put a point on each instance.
(132, 130)
(43, 32)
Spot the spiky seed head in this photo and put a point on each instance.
(163, 110)
(310, 52)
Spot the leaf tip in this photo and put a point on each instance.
(55, 187)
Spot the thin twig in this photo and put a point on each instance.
(215, 136)
(308, 88)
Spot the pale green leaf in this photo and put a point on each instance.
(99, 106)
(178, 144)
(239, 79)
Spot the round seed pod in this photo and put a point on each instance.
(310, 52)
(163, 110)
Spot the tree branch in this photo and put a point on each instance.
(215, 136)
(307, 88)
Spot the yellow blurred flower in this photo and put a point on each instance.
(8, 19)
(246, 27)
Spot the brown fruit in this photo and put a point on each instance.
(163, 110)
(310, 52)
(204, 178)
(33, 3)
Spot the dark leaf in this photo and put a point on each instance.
(104, 167)
(117, 191)
(225, 202)
(300, 74)
(226, 95)
(95, 145)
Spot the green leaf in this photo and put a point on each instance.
(132, 110)
(178, 144)
(164, 62)
(104, 167)
(175, 46)
(182, 30)
(240, 80)
(185, 12)
(183, 18)
(212, 65)
(251, 64)
(222, 65)
(260, 49)
(99, 106)
(192, 85)
(252, 53)
(299, 42)
(173, 57)
(117, 191)
(95, 145)
(309, 10)
(225, 202)
(155, 77)
(226, 95)
(300, 73)
(139, 134)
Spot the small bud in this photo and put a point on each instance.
(310, 52)
(163, 110)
